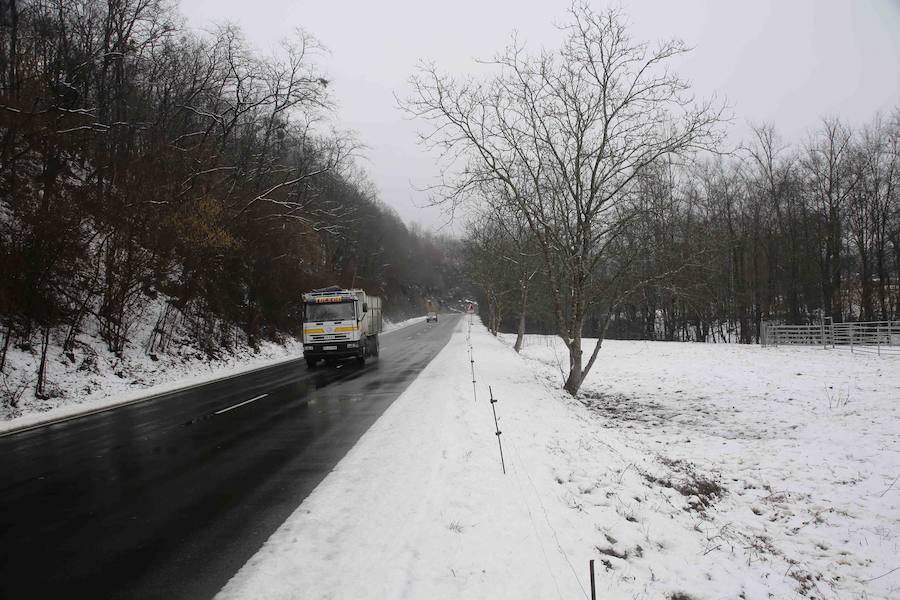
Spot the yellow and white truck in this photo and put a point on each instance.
(339, 323)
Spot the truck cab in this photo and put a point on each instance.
(340, 323)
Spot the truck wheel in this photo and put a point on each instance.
(311, 363)
(361, 359)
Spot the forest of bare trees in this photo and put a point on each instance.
(140, 161)
(791, 233)
(597, 159)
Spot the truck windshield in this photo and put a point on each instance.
(339, 311)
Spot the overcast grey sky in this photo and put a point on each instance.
(789, 62)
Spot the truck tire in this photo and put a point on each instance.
(371, 345)
(311, 363)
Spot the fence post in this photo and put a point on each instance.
(831, 323)
(593, 585)
(472, 364)
(471, 359)
(497, 427)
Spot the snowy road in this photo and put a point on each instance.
(168, 498)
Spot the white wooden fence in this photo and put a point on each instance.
(881, 337)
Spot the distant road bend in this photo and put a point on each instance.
(168, 498)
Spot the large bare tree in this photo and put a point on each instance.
(566, 133)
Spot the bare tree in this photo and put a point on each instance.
(522, 258)
(566, 133)
(869, 218)
(503, 260)
(770, 180)
(487, 244)
(830, 181)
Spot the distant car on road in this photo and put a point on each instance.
(432, 316)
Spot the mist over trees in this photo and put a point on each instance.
(643, 228)
(144, 168)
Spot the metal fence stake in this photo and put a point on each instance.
(824, 341)
(593, 585)
(497, 427)
(472, 364)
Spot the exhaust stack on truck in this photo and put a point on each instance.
(339, 323)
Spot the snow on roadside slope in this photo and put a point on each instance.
(102, 388)
(685, 470)
(389, 326)
(97, 378)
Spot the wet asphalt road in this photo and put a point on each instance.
(169, 497)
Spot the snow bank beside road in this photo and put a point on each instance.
(704, 470)
(98, 379)
(114, 380)
(389, 326)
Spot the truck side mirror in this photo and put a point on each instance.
(365, 307)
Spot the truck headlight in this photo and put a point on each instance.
(307, 347)
(352, 345)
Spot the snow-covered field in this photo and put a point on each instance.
(94, 378)
(684, 470)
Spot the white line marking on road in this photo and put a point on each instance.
(224, 410)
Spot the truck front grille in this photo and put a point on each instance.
(330, 337)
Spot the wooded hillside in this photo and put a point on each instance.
(139, 161)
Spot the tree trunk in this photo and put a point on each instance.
(6, 339)
(573, 382)
(866, 305)
(650, 321)
(13, 82)
(45, 342)
(520, 331)
(883, 283)
(837, 305)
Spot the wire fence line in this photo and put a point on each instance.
(517, 466)
(869, 337)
